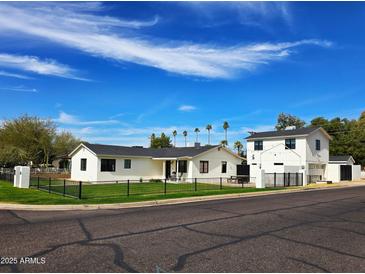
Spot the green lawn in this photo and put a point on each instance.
(111, 193)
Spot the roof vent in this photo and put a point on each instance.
(197, 145)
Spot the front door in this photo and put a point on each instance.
(168, 169)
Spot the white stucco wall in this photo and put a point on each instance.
(215, 158)
(356, 172)
(333, 173)
(313, 155)
(91, 165)
(274, 152)
(145, 168)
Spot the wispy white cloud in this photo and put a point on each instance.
(14, 75)
(117, 115)
(65, 118)
(250, 14)
(36, 65)
(187, 108)
(71, 27)
(19, 89)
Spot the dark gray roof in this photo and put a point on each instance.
(340, 158)
(283, 133)
(148, 152)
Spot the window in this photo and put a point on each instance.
(204, 166)
(83, 164)
(278, 164)
(224, 167)
(289, 143)
(107, 165)
(183, 166)
(127, 163)
(318, 144)
(259, 145)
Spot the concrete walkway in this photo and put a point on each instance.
(13, 206)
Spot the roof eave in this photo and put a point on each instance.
(276, 137)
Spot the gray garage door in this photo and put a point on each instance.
(346, 172)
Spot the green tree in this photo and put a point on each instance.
(174, 133)
(224, 143)
(64, 143)
(238, 146)
(208, 128)
(30, 139)
(348, 136)
(160, 142)
(185, 133)
(225, 127)
(288, 120)
(197, 130)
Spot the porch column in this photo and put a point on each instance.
(177, 170)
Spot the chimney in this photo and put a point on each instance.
(197, 145)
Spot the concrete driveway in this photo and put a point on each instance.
(314, 231)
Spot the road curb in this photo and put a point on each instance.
(10, 206)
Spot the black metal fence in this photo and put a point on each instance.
(110, 189)
(7, 176)
(283, 179)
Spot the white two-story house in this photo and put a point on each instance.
(304, 150)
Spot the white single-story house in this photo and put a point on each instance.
(96, 163)
(303, 151)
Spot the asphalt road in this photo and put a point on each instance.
(313, 231)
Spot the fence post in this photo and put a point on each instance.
(127, 187)
(38, 182)
(80, 191)
(165, 185)
(288, 178)
(296, 179)
(49, 185)
(274, 179)
(221, 183)
(196, 184)
(64, 187)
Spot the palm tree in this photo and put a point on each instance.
(196, 130)
(238, 145)
(225, 127)
(185, 133)
(209, 128)
(224, 143)
(174, 133)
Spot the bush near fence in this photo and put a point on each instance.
(108, 189)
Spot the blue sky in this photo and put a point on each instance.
(115, 72)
